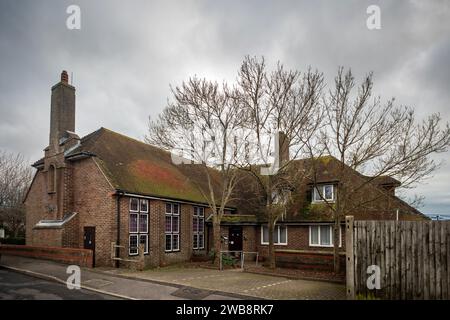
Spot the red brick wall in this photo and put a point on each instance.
(79, 257)
(298, 253)
(47, 237)
(157, 255)
(95, 204)
(89, 194)
(249, 238)
(71, 233)
(297, 239)
(36, 206)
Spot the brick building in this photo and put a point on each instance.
(107, 188)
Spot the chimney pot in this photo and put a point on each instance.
(64, 77)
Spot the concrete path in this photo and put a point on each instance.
(108, 284)
(243, 283)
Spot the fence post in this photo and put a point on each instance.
(349, 255)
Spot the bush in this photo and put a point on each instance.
(228, 260)
(17, 241)
(212, 255)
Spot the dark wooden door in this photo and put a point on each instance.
(89, 241)
(235, 239)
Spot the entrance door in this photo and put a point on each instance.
(235, 239)
(89, 241)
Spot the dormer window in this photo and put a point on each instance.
(51, 182)
(324, 193)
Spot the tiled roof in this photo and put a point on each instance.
(327, 167)
(136, 167)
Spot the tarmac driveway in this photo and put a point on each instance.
(243, 283)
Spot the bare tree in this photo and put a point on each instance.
(204, 126)
(374, 139)
(15, 179)
(283, 113)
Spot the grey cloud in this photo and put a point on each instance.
(127, 53)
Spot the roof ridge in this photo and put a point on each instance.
(103, 129)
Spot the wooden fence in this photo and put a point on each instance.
(412, 258)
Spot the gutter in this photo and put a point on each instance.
(135, 195)
(119, 195)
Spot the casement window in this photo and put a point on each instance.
(198, 228)
(134, 205)
(172, 227)
(138, 225)
(133, 244)
(323, 192)
(279, 235)
(322, 236)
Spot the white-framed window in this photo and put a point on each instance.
(143, 239)
(143, 205)
(133, 248)
(143, 223)
(134, 218)
(323, 192)
(198, 228)
(134, 205)
(172, 227)
(138, 225)
(323, 236)
(280, 235)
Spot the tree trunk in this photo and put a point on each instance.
(216, 241)
(16, 231)
(271, 228)
(336, 240)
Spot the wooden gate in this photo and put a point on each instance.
(412, 258)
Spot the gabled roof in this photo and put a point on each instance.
(136, 167)
(327, 170)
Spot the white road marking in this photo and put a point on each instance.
(267, 285)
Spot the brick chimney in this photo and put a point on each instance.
(62, 114)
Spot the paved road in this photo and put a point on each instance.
(17, 286)
(109, 283)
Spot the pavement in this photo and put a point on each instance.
(102, 283)
(178, 283)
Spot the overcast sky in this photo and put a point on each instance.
(128, 52)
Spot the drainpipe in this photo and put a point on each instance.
(119, 193)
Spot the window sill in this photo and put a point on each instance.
(323, 246)
(275, 244)
(137, 254)
(322, 201)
